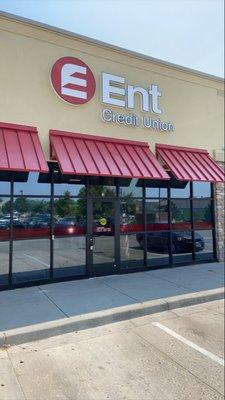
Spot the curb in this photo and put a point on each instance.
(86, 321)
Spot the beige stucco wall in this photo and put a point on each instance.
(194, 104)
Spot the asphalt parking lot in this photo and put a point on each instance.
(173, 355)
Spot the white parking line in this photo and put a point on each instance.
(36, 259)
(189, 343)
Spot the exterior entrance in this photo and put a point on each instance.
(102, 243)
(93, 228)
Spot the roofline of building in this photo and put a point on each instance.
(109, 46)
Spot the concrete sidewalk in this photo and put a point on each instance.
(42, 311)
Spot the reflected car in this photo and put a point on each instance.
(39, 221)
(18, 224)
(181, 242)
(5, 224)
(67, 226)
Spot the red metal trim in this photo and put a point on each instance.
(194, 164)
(160, 146)
(118, 167)
(109, 160)
(190, 164)
(21, 149)
(79, 154)
(216, 168)
(96, 138)
(123, 158)
(18, 127)
(172, 167)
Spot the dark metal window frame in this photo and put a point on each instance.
(116, 200)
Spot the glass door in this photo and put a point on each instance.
(102, 247)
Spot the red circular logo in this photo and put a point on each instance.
(73, 80)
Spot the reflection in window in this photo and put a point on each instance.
(5, 218)
(32, 217)
(131, 215)
(75, 189)
(4, 188)
(202, 213)
(180, 192)
(103, 218)
(204, 245)
(102, 191)
(4, 263)
(156, 192)
(69, 256)
(102, 186)
(180, 214)
(201, 189)
(182, 246)
(157, 214)
(132, 254)
(31, 260)
(131, 188)
(103, 253)
(157, 248)
(69, 216)
(32, 186)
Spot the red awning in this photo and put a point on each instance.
(189, 164)
(101, 156)
(20, 149)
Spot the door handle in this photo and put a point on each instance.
(92, 242)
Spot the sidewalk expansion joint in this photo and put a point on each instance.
(124, 294)
(52, 301)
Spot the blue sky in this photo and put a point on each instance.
(185, 32)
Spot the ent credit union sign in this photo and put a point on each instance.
(74, 82)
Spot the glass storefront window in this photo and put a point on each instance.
(31, 260)
(132, 254)
(131, 188)
(4, 187)
(156, 192)
(103, 253)
(182, 246)
(157, 248)
(69, 256)
(103, 222)
(4, 218)
(32, 187)
(180, 214)
(32, 217)
(74, 189)
(102, 191)
(131, 215)
(202, 213)
(69, 216)
(156, 214)
(204, 245)
(180, 192)
(4, 263)
(201, 189)
(31, 225)
(103, 231)
(102, 187)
